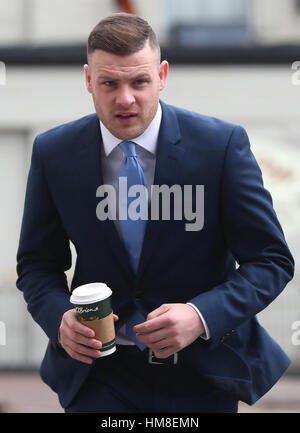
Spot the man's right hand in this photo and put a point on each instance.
(77, 339)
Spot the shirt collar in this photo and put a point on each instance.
(147, 140)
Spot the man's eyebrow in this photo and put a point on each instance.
(141, 75)
(106, 77)
(134, 77)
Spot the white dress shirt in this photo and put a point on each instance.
(111, 159)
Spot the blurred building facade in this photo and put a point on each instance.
(261, 97)
(55, 21)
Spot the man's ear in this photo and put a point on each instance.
(87, 78)
(163, 73)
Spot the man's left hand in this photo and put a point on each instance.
(170, 328)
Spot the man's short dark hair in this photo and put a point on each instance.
(122, 34)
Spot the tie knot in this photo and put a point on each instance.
(128, 148)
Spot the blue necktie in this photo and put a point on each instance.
(133, 229)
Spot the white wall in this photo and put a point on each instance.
(12, 172)
(36, 96)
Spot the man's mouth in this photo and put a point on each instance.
(125, 115)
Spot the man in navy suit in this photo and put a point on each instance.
(185, 305)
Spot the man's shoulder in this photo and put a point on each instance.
(69, 130)
(191, 120)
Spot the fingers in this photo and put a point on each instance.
(159, 341)
(70, 320)
(163, 341)
(162, 347)
(162, 331)
(156, 320)
(81, 339)
(154, 339)
(81, 352)
(77, 339)
(158, 311)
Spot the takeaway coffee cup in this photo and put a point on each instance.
(93, 307)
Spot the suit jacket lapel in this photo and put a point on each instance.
(167, 171)
(90, 175)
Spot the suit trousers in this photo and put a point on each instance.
(125, 381)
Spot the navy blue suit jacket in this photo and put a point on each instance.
(176, 265)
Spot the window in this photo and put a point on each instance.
(207, 22)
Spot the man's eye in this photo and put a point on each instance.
(140, 82)
(109, 83)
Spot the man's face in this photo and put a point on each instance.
(126, 89)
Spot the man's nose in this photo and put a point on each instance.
(125, 97)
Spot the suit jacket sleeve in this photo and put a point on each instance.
(255, 239)
(44, 253)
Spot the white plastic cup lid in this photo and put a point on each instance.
(90, 293)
